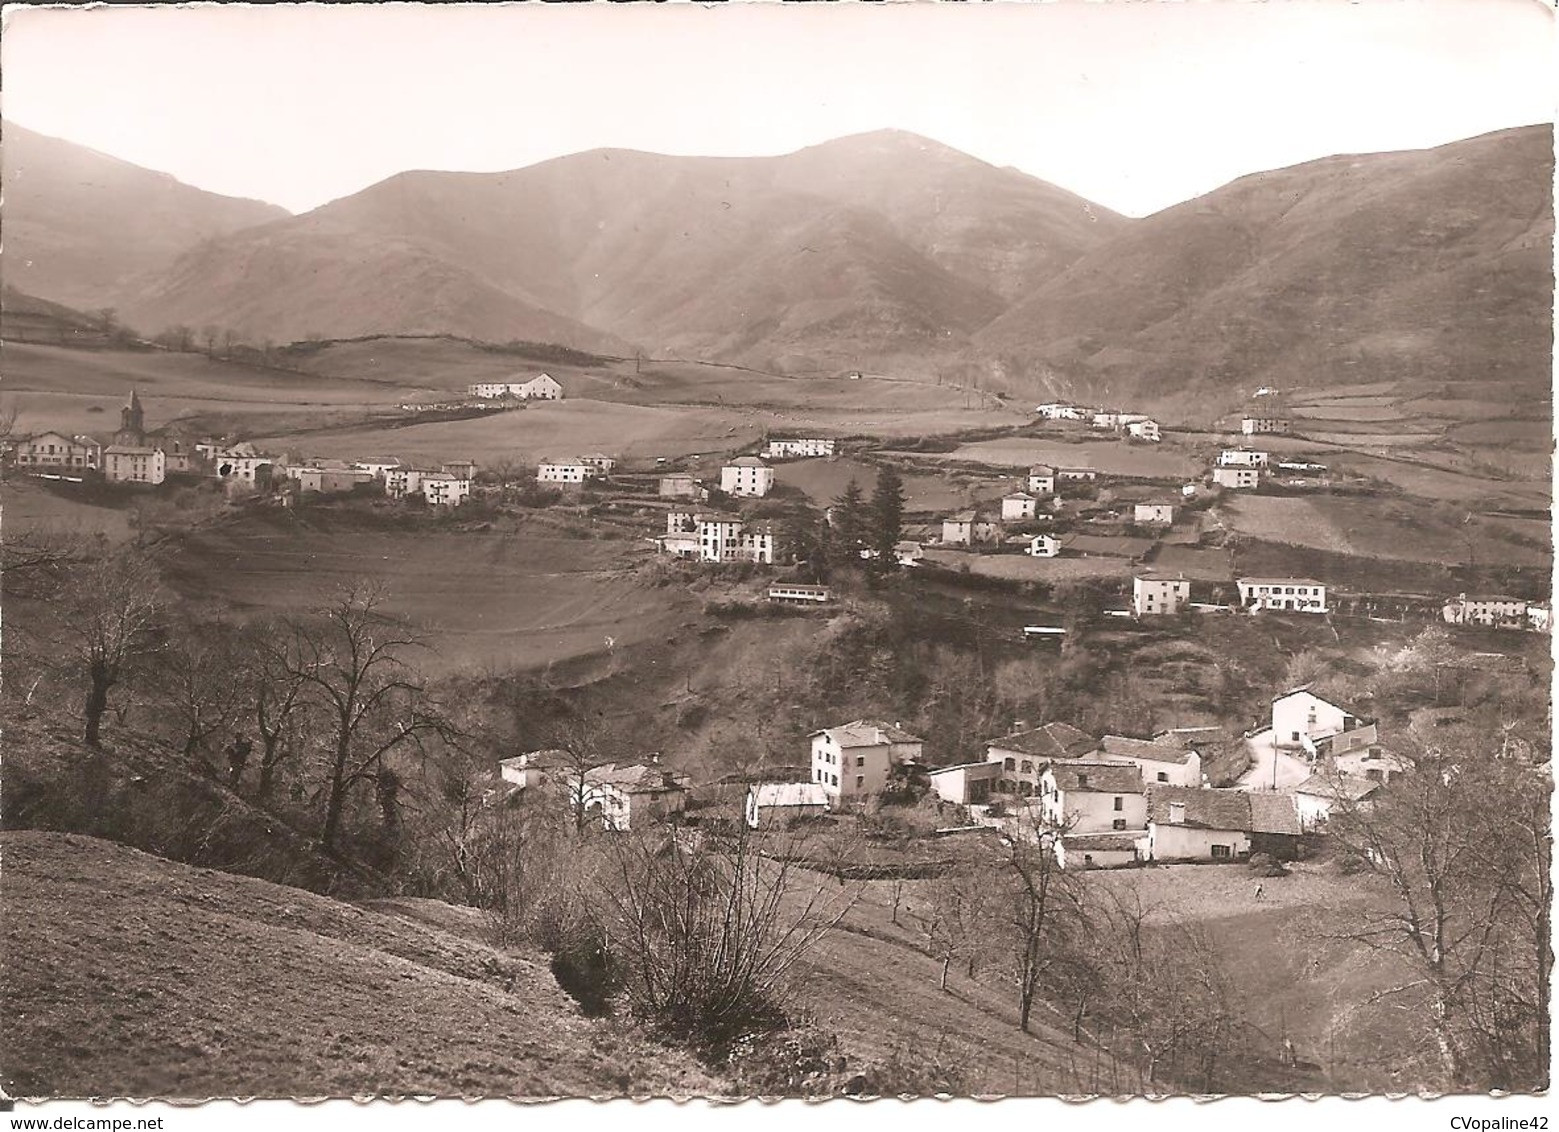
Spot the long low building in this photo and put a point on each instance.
(1297, 595)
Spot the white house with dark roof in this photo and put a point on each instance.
(56, 452)
(1144, 430)
(746, 475)
(1243, 458)
(1112, 850)
(543, 387)
(855, 760)
(125, 463)
(1317, 796)
(626, 797)
(1023, 755)
(1187, 824)
(1090, 797)
(1041, 480)
(1158, 763)
(1237, 479)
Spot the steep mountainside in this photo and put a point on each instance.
(872, 243)
(80, 226)
(1426, 265)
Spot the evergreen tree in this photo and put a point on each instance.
(848, 524)
(886, 519)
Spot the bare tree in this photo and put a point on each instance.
(276, 683)
(1044, 910)
(108, 613)
(351, 659)
(202, 679)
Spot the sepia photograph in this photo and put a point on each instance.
(855, 551)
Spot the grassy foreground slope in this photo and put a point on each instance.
(127, 974)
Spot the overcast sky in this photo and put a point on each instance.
(1134, 105)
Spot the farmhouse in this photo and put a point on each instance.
(460, 469)
(1099, 850)
(323, 480)
(564, 471)
(1303, 720)
(1300, 595)
(543, 387)
(54, 451)
(1274, 824)
(1156, 762)
(908, 553)
(1044, 546)
(239, 463)
(1145, 430)
(806, 446)
(401, 482)
(1146, 513)
(958, 529)
(1116, 421)
(534, 768)
(1238, 479)
(1061, 411)
(627, 797)
(1023, 756)
(1317, 796)
(1256, 426)
(1086, 797)
(1491, 610)
(1156, 595)
(1078, 475)
(1242, 458)
(600, 462)
(1042, 480)
(800, 595)
(780, 803)
(1372, 764)
(729, 538)
(964, 784)
(123, 463)
(441, 489)
(1018, 507)
(378, 466)
(1186, 824)
(855, 760)
(746, 475)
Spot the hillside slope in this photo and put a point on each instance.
(1429, 265)
(129, 975)
(81, 226)
(863, 244)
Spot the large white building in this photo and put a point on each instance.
(856, 760)
(1237, 479)
(746, 475)
(564, 471)
(441, 489)
(803, 446)
(1018, 507)
(1042, 480)
(1155, 595)
(123, 463)
(1158, 763)
(1242, 458)
(710, 536)
(1256, 426)
(626, 797)
(400, 482)
(1299, 595)
(1491, 610)
(543, 387)
(1145, 430)
(56, 452)
(1303, 720)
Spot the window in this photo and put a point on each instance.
(1295, 736)
(833, 780)
(1118, 823)
(1087, 858)
(1222, 851)
(1163, 776)
(860, 760)
(1120, 804)
(1028, 767)
(1008, 764)
(1082, 780)
(860, 780)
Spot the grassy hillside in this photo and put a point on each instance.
(129, 975)
(1427, 266)
(81, 227)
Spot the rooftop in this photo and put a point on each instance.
(1273, 813)
(790, 794)
(639, 778)
(1097, 778)
(1049, 741)
(746, 462)
(1204, 809)
(868, 733)
(1121, 746)
(1337, 787)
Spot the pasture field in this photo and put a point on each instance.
(823, 481)
(524, 597)
(29, 505)
(1108, 457)
(1389, 529)
(1025, 568)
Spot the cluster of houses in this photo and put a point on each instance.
(1138, 426)
(138, 455)
(1103, 801)
(1039, 499)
